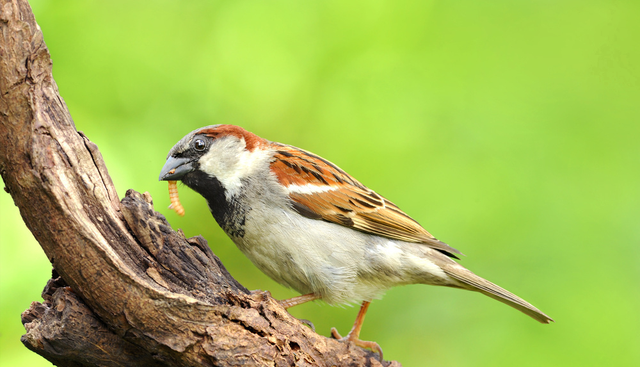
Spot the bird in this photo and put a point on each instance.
(310, 226)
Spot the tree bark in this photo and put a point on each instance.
(131, 290)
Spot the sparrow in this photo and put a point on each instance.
(312, 227)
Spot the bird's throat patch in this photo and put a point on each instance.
(228, 212)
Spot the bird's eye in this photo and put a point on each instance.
(199, 145)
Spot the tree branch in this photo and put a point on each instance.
(131, 290)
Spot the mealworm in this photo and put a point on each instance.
(175, 200)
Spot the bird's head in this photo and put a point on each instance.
(216, 157)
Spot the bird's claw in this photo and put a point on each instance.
(360, 343)
(308, 323)
(260, 292)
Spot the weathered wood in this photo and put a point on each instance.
(53, 327)
(131, 291)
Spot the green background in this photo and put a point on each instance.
(510, 130)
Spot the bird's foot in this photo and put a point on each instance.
(308, 323)
(361, 343)
(287, 303)
(258, 292)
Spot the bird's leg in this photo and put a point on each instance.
(290, 302)
(354, 334)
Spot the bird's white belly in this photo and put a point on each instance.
(337, 263)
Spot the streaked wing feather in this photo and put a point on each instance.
(350, 204)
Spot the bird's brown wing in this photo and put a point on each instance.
(321, 190)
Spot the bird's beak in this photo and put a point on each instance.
(175, 168)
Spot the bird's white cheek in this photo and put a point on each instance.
(230, 163)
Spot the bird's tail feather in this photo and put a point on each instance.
(476, 283)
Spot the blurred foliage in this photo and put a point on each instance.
(510, 130)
